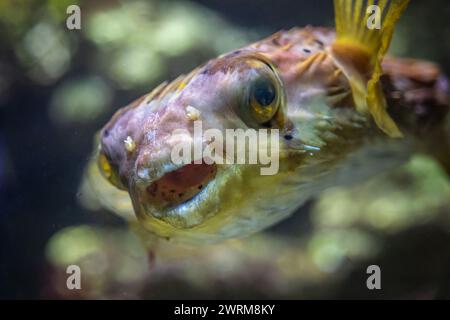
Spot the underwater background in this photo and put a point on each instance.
(58, 87)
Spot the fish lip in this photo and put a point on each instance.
(185, 215)
(179, 186)
(175, 209)
(146, 175)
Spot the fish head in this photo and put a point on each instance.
(274, 86)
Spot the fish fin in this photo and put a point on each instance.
(359, 51)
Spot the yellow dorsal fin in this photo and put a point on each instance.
(359, 49)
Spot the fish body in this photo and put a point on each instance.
(343, 112)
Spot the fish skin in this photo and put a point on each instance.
(318, 112)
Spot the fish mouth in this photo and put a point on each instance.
(179, 186)
(206, 203)
(181, 198)
(186, 196)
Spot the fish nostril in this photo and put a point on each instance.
(181, 185)
(288, 137)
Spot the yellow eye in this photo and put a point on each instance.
(109, 172)
(263, 99)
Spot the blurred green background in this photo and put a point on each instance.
(58, 87)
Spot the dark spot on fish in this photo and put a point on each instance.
(152, 188)
(172, 191)
(288, 137)
(106, 133)
(200, 187)
(320, 43)
(204, 71)
(180, 195)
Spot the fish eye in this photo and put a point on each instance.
(109, 171)
(262, 95)
(263, 99)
